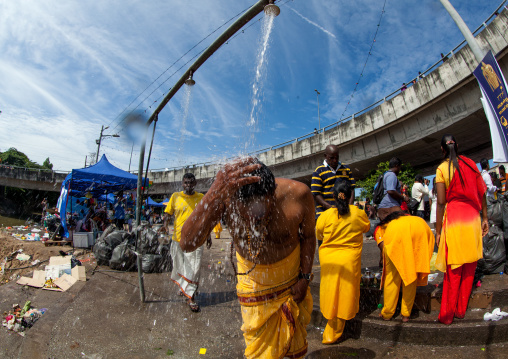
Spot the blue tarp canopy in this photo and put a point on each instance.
(99, 179)
(151, 203)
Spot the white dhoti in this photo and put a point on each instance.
(186, 268)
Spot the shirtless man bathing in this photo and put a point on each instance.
(272, 223)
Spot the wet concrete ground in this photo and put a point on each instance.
(104, 318)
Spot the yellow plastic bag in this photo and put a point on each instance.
(433, 262)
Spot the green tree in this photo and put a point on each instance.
(47, 164)
(14, 157)
(406, 176)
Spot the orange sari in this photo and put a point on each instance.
(461, 232)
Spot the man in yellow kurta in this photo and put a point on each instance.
(407, 243)
(272, 224)
(185, 265)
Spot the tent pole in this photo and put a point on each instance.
(138, 216)
(150, 154)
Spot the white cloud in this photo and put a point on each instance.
(69, 67)
(313, 23)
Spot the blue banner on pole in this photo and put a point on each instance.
(493, 86)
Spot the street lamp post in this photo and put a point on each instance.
(319, 118)
(98, 142)
(471, 41)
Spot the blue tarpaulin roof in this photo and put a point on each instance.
(99, 179)
(152, 203)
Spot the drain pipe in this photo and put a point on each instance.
(226, 35)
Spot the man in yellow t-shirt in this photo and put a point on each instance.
(186, 266)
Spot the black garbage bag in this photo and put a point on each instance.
(109, 229)
(151, 263)
(102, 252)
(504, 205)
(148, 240)
(494, 252)
(166, 264)
(116, 237)
(495, 211)
(75, 262)
(123, 257)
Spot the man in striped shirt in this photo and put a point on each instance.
(324, 177)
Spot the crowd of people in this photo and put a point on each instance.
(276, 225)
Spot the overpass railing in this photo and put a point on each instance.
(34, 169)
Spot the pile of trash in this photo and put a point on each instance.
(494, 250)
(62, 273)
(20, 319)
(25, 233)
(496, 315)
(119, 250)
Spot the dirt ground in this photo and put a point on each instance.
(37, 250)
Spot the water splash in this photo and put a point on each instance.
(185, 115)
(259, 78)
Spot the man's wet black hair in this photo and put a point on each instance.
(265, 186)
(189, 176)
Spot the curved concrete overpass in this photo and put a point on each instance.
(409, 125)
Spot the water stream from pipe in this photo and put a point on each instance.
(187, 97)
(259, 79)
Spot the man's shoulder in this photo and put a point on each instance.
(296, 188)
(320, 169)
(343, 165)
(390, 175)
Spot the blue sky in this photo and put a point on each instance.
(66, 68)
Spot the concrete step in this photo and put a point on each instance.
(423, 328)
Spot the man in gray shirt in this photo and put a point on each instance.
(392, 191)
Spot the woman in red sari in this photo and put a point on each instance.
(459, 229)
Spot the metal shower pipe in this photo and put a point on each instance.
(225, 36)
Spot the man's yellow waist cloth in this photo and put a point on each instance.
(273, 324)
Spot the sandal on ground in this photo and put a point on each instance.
(193, 306)
(381, 316)
(405, 319)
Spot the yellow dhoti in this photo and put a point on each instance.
(273, 323)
